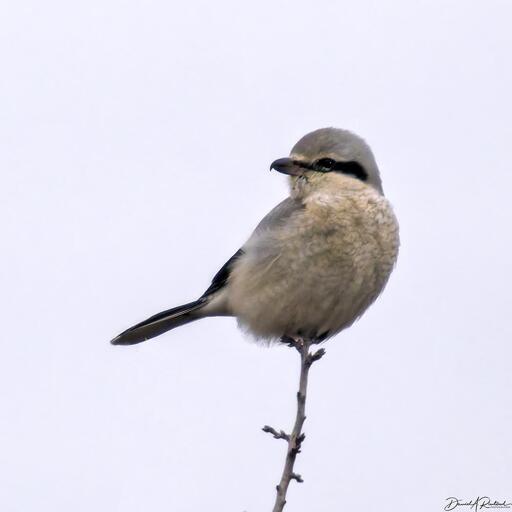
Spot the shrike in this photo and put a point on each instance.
(316, 262)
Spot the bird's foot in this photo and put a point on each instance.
(296, 343)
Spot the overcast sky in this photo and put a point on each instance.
(135, 144)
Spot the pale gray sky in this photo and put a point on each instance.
(135, 144)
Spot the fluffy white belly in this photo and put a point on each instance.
(316, 273)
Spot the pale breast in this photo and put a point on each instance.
(316, 272)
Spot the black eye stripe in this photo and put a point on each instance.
(351, 168)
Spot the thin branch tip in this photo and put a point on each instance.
(275, 434)
(297, 477)
(315, 356)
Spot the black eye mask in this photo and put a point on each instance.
(351, 168)
(293, 167)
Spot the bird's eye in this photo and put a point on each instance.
(325, 164)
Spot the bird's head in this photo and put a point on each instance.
(325, 154)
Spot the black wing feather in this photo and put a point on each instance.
(221, 277)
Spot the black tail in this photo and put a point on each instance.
(160, 323)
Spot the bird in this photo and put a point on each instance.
(315, 262)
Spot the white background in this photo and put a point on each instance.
(135, 140)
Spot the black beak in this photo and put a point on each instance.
(287, 166)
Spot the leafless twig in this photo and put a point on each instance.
(277, 435)
(296, 438)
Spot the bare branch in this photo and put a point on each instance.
(315, 356)
(295, 476)
(277, 435)
(296, 438)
